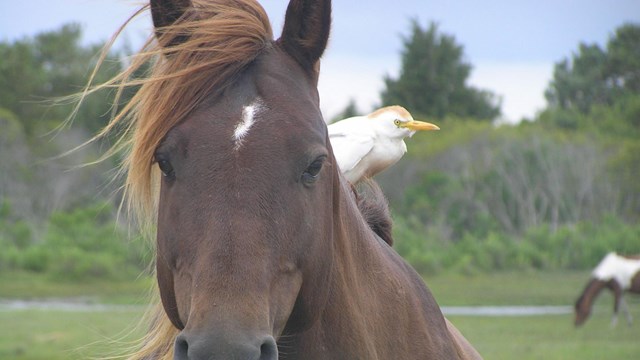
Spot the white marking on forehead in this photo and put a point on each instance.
(249, 113)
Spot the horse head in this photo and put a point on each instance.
(245, 202)
(584, 303)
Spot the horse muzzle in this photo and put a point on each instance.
(224, 346)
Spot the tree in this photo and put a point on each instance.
(595, 76)
(433, 79)
(34, 179)
(581, 82)
(623, 63)
(35, 71)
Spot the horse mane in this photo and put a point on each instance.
(374, 208)
(197, 56)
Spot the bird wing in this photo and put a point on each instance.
(351, 142)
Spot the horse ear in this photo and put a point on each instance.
(165, 13)
(306, 31)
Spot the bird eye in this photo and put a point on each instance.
(310, 174)
(396, 122)
(165, 166)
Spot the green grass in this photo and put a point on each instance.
(25, 285)
(40, 335)
(551, 337)
(511, 288)
(537, 337)
(58, 335)
(52, 335)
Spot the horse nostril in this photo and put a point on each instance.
(268, 349)
(181, 348)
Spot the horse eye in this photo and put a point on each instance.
(310, 175)
(165, 166)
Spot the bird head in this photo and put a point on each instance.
(397, 122)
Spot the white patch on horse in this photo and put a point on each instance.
(617, 267)
(249, 113)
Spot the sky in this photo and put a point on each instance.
(512, 45)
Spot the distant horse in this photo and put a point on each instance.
(262, 252)
(617, 273)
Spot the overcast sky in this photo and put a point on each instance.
(512, 45)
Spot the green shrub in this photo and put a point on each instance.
(10, 257)
(580, 246)
(36, 259)
(20, 232)
(77, 264)
(81, 244)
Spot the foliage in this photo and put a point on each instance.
(478, 198)
(81, 244)
(44, 197)
(580, 83)
(555, 193)
(623, 62)
(34, 71)
(569, 247)
(595, 76)
(433, 79)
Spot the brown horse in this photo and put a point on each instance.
(262, 252)
(617, 273)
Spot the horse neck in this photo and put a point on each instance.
(357, 251)
(591, 291)
(377, 304)
(359, 276)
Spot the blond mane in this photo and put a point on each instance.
(218, 39)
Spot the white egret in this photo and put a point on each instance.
(366, 145)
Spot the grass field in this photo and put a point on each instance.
(519, 288)
(40, 335)
(551, 337)
(20, 285)
(61, 335)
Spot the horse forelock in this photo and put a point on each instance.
(219, 40)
